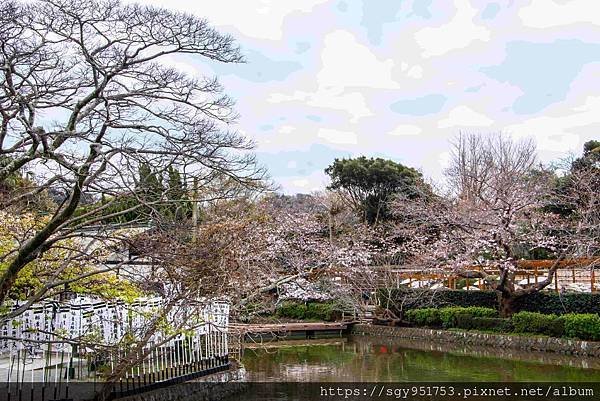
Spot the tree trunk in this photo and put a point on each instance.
(506, 303)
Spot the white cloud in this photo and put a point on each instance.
(415, 72)
(559, 134)
(549, 13)
(402, 130)
(301, 182)
(262, 19)
(287, 129)
(338, 137)
(459, 33)
(353, 103)
(347, 63)
(463, 116)
(444, 159)
(292, 164)
(304, 184)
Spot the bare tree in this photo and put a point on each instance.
(88, 96)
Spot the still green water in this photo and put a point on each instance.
(378, 359)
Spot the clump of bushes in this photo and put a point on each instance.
(495, 324)
(538, 323)
(585, 326)
(291, 310)
(320, 311)
(403, 299)
(307, 311)
(447, 317)
(424, 317)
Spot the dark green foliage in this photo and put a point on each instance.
(559, 304)
(292, 310)
(542, 302)
(449, 316)
(326, 311)
(179, 206)
(590, 158)
(320, 311)
(497, 324)
(538, 323)
(414, 298)
(150, 187)
(583, 326)
(567, 195)
(168, 204)
(424, 317)
(371, 181)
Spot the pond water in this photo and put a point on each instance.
(380, 359)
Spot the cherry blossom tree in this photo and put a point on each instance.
(494, 211)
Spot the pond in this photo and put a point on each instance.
(380, 359)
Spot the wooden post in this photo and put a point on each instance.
(556, 280)
(195, 214)
(593, 280)
(535, 271)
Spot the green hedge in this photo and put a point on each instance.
(449, 316)
(584, 326)
(497, 324)
(446, 317)
(291, 310)
(538, 323)
(307, 311)
(424, 317)
(417, 298)
(542, 302)
(548, 303)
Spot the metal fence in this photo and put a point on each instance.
(47, 352)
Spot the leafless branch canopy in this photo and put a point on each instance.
(89, 93)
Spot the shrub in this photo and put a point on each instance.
(533, 322)
(448, 316)
(320, 311)
(407, 298)
(292, 310)
(424, 317)
(585, 326)
(560, 304)
(501, 325)
(542, 302)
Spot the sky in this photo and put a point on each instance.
(398, 79)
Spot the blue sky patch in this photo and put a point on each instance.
(420, 106)
(544, 71)
(490, 11)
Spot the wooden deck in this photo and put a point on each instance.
(243, 336)
(289, 327)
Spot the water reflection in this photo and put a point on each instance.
(378, 359)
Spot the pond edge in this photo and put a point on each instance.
(547, 344)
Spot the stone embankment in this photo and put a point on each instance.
(550, 344)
